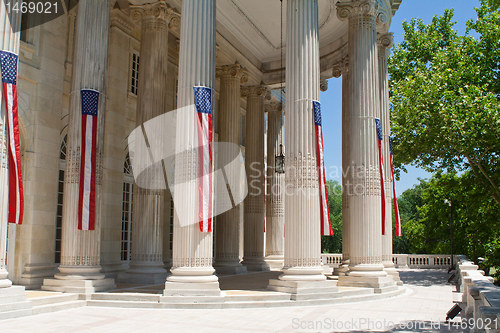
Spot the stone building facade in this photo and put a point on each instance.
(147, 52)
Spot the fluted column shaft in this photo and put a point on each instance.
(227, 259)
(80, 251)
(192, 249)
(302, 205)
(275, 208)
(254, 206)
(9, 41)
(365, 223)
(384, 44)
(148, 209)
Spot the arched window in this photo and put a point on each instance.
(60, 191)
(128, 183)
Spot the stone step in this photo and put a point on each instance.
(126, 297)
(264, 296)
(125, 304)
(12, 298)
(53, 307)
(15, 314)
(15, 306)
(53, 298)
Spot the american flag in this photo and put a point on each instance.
(381, 167)
(86, 200)
(326, 228)
(396, 209)
(8, 63)
(203, 102)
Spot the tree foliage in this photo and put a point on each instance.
(427, 220)
(445, 92)
(333, 244)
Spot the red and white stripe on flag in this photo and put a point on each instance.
(203, 102)
(326, 228)
(396, 208)
(8, 63)
(87, 194)
(381, 168)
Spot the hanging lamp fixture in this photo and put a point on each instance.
(279, 160)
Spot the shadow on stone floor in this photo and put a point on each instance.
(424, 277)
(251, 281)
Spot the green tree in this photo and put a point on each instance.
(408, 202)
(445, 91)
(474, 213)
(333, 244)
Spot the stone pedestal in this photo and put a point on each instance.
(192, 271)
(275, 208)
(384, 43)
(227, 257)
(364, 191)
(80, 253)
(254, 206)
(302, 263)
(146, 265)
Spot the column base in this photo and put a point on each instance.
(191, 281)
(232, 267)
(256, 264)
(14, 302)
(341, 270)
(391, 271)
(5, 283)
(78, 286)
(305, 290)
(275, 262)
(78, 279)
(380, 284)
(176, 289)
(34, 274)
(302, 274)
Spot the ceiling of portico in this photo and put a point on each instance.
(256, 24)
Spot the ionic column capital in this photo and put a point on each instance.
(274, 108)
(254, 91)
(159, 10)
(349, 8)
(232, 71)
(341, 67)
(385, 40)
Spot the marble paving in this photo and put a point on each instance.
(421, 309)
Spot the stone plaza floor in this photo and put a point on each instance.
(422, 308)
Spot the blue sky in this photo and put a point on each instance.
(331, 100)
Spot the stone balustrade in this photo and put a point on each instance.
(331, 259)
(480, 298)
(400, 260)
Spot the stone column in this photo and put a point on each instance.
(9, 41)
(384, 43)
(227, 259)
(275, 207)
(146, 265)
(302, 264)
(80, 253)
(192, 271)
(254, 206)
(342, 68)
(365, 223)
